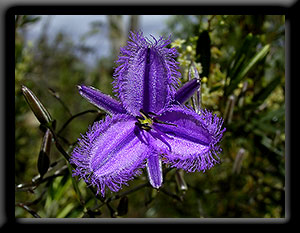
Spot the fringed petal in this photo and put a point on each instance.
(100, 100)
(154, 170)
(189, 140)
(147, 74)
(110, 154)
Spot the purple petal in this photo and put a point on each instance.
(100, 100)
(154, 170)
(110, 154)
(192, 143)
(147, 74)
(186, 91)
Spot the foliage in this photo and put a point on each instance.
(243, 80)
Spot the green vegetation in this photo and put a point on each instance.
(241, 59)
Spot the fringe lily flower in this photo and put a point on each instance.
(148, 125)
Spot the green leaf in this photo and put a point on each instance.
(262, 125)
(244, 51)
(265, 92)
(268, 143)
(62, 186)
(246, 68)
(65, 211)
(278, 113)
(28, 19)
(75, 186)
(215, 88)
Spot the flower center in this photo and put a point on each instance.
(145, 121)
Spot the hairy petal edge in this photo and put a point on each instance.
(110, 154)
(192, 143)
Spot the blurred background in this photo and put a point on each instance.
(241, 59)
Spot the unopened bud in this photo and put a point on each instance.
(229, 108)
(196, 98)
(122, 208)
(238, 161)
(180, 180)
(44, 155)
(36, 106)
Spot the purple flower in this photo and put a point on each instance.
(149, 125)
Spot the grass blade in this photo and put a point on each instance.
(246, 68)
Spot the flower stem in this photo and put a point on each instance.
(73, 117)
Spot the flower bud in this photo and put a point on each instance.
(182, 186)
(123, 206)
(197, 97)
(44, 159)
(36, 106)
(238, 161)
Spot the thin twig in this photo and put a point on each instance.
(64, 140)
(118, 196)
(29, 210)
(174, 196)
(136, 188)
(209, 23)
(34, 202)
(56, 95)
(58, 145)
(73, 117)
(113, 213)
(33, 185)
